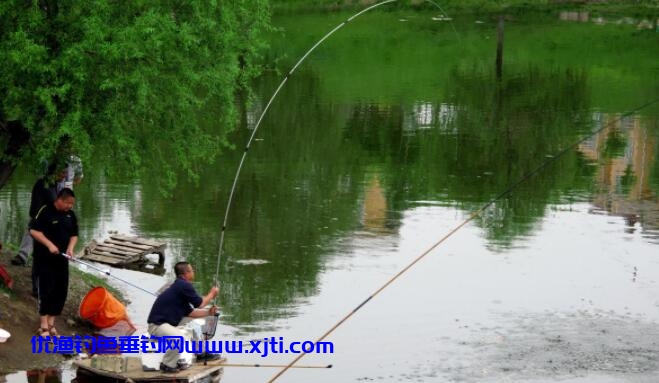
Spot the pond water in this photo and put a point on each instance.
(388, 137)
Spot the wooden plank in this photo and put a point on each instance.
(118, 253)
(106, 254)
(122, 257)
(102, 259)
(141, 241)
(128, 244)
(195, 372)
(125, 249)
(117, 256)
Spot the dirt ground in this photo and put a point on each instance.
(18, 315)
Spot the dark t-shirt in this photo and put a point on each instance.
(58, 227)
(176, 302)
(42, 194)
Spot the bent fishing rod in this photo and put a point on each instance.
(258, 124)
(106, 272)
(471, 217)
(267, 107)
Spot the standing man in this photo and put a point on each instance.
(55, 231)
(178, 301)
(44, 192)
(73, 173)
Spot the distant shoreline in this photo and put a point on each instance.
(474, 6)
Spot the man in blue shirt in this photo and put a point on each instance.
(178, 301)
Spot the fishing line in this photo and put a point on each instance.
(267, 107)
(473, 215)
(457, 35)
(270, 365)
(106, 272)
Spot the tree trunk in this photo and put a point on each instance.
(17, 137)
(499, 63)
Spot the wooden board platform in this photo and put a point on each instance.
(124, 251)
(134, 373)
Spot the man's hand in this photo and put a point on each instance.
(212, 310)
(53, 249)
(212, 293)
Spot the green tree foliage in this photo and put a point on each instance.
(140, 86)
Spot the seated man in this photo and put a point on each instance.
(178, 301)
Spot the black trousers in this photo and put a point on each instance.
(53, 287)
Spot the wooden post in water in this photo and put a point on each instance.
(499, 63)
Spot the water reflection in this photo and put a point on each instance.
(624, 153)
(47, 375)
(62, 373)
(426, 115)
(375, 210)
(584, 17)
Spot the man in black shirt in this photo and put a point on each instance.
(44, 192)
(178, 301)
(55, 231)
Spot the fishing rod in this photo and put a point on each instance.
(258, 124)
(471, 217)
(106, 272)
(267, 107)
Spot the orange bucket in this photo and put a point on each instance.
(101, 308)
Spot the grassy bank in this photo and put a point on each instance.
(629, 8)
